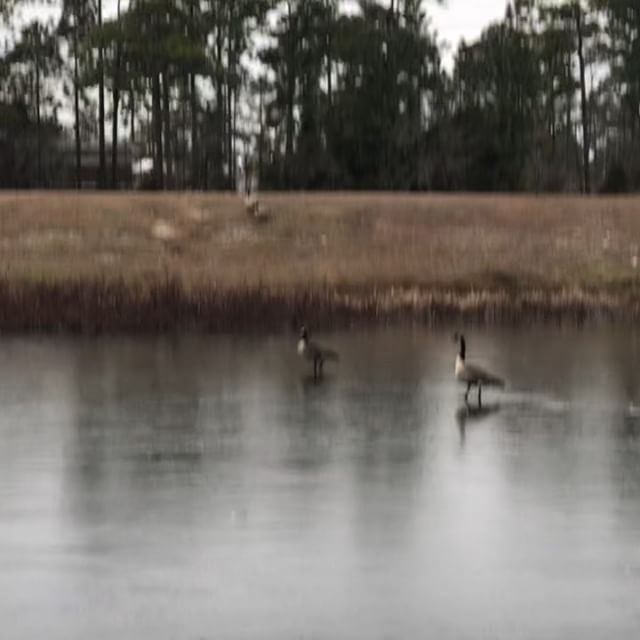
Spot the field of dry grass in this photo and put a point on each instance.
(130, 261)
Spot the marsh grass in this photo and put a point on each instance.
(140, 262)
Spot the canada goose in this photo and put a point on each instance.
(251, 204)
(255, 209)
(311, 351)
(471, 374)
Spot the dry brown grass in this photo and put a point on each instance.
(135, 261)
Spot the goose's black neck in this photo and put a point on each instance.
(463, 348)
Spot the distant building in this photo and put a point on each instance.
(90, 165)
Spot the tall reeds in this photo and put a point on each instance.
(90, 307)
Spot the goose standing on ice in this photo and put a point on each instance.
(311, 351)
(473, 375)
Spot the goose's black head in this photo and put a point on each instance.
(459, 338)
(304, 334)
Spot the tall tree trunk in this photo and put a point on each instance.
(195, 178)
(229, 107)
(116, 103)
(114, 139)
(552, 116)
(230, 91)
(166, 110)
(184, 99)
(329, 44)
(578, 160)
(291, 88)
(103, 159)
(220, 111)
(261, 134)
(132, 115)
(329, 74)
(132, 101)
(193, 107)
(150, 139)
(234, 156)
(158, 169)
(38, 124)
(328, 125)
(76, 106)
(229, 138)
(586, 146)
(568, 123)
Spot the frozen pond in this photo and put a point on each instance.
(205, 487)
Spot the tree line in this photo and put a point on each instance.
(315, 97)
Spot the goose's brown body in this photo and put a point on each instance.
(314, 353)
(471, 374)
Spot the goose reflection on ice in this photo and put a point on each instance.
(468, 414)
(309, 383)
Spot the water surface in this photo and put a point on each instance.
(205, 487)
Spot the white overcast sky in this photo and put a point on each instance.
(453, 20)
(458, 19)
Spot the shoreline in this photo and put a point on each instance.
(93, 308)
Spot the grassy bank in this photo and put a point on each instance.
(136, 262)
